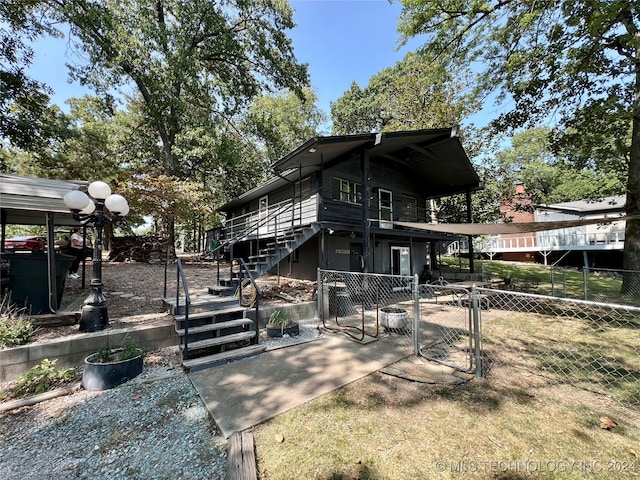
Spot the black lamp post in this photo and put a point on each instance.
(90, 210)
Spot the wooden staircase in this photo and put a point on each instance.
(218, 332)
(280, 247)
(218, 328)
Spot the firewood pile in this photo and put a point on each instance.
(146, 249)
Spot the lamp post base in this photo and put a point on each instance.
(93, 318)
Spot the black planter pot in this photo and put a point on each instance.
(103, 376)
(277, 330)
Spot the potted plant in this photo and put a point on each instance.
(280, 324)
(108, 368)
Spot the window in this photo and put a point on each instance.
(409, 208)
(346, 191)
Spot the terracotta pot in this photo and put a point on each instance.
(103, 376)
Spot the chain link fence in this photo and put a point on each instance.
(595, 284)
(593, 346)
(366, 305)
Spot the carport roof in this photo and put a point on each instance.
(28, 200)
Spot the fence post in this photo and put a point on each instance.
(475, 313)
(416, 314)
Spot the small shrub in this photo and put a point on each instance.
(42, 378)
(129, 350)
(15, 327)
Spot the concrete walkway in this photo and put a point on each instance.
(247, 392)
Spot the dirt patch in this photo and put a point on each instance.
(134, 293)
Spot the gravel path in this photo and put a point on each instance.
(153, 427)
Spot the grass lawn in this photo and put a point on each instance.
(565, 282)
(539, 413)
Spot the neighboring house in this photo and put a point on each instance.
(596, 234)
(332, 202)
(519, 209)
(601, 244)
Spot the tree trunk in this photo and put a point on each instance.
(631, 258)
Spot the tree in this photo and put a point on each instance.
(24, 114)
(279, 123)
(193, 64)
(411, 95)
(570, 61)
(547, 175)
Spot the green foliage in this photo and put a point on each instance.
(128, 351)
(15, 327)
(569, 63)
(280, 123)
(280, 318)
(413, 94)
(42, 378)
(24, 116)
(547, 175)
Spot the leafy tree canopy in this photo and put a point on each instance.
(279, 123)
(574, 63)
(411, 95)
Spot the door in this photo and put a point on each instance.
(355, 259)
(263, 213)
(385, 207)
(400, 261)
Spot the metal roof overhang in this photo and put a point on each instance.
(434, 159)
(28, 200)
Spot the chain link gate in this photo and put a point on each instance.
(449, 330)
(438, 321)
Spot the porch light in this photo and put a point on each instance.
(90, 210)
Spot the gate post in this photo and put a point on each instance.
(475, 313)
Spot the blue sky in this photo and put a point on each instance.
(342, 41)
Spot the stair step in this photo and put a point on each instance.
(221, 290)
(224, 357)
(211, 313)
(210, 302)
(212, 342)
(212, 327)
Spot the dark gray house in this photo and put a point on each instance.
(332, 201)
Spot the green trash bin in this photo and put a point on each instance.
(28, 279)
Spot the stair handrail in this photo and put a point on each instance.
(283, 207)
(245, 268)
(187, 299)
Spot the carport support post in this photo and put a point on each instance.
(366, 200)
(470, 237)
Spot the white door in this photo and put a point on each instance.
(263, 213)
(385, 207)
(400, 261)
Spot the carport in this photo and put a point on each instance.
(37, 201)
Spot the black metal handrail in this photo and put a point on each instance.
(187, 299)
